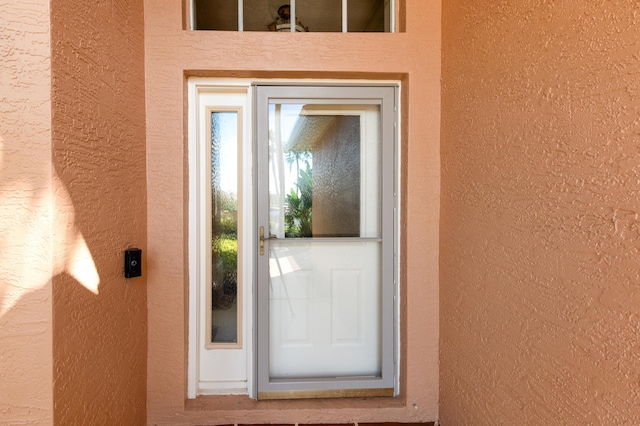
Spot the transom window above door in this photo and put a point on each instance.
(308, 15)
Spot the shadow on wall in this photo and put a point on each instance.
(39, 241)
(32, 233)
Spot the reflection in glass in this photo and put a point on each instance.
(224, 227)
(315, 182)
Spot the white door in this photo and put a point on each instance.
(326, 209)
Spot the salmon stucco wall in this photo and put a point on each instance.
(26, 258)
(172, 54)
(540, 236)
(98, 147)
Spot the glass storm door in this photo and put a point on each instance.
(326, 232)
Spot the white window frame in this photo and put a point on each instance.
(205, 97)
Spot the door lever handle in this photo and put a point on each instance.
(263, 239)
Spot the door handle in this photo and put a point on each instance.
(263, 239)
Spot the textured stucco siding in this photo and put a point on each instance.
(98, 131)
(540, 237)
(26, 259)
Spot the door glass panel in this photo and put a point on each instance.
(224, 227)
(325, 252)
(324, 171)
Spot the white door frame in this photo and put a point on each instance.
(198, 89)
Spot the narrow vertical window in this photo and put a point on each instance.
(225, 311)
(220, 243)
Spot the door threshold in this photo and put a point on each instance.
(333, 393)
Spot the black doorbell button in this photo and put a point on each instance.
(132, 263)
